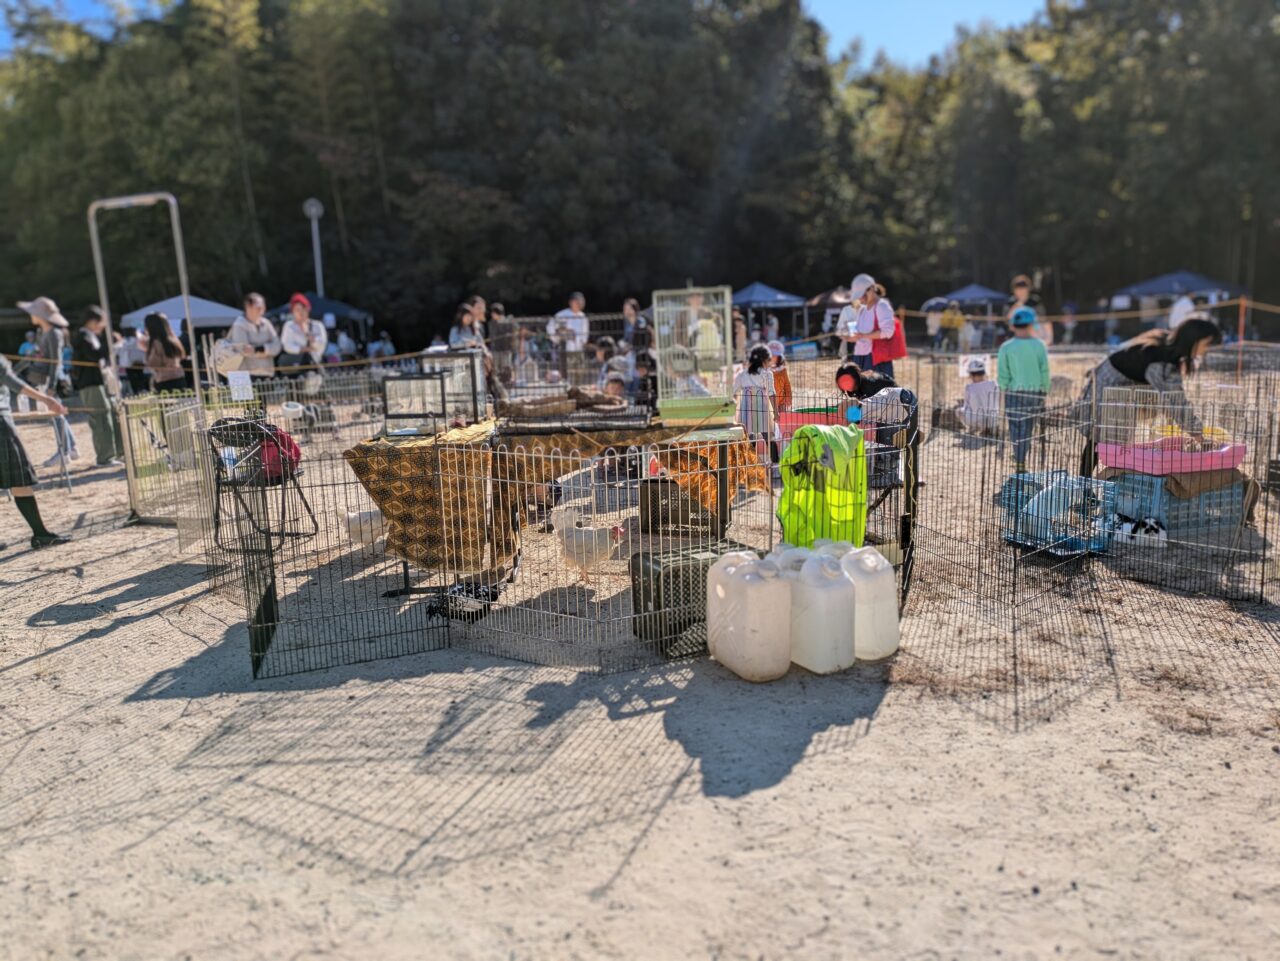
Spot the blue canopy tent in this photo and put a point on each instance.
(1179, 282)
(976, 294)
(762, 297)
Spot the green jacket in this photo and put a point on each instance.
(824, 486)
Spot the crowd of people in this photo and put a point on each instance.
(54, 362)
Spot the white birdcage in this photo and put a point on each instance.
(693, 335)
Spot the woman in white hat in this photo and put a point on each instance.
(868, 317)
(52, 342)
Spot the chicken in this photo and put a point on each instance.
(363, 527)
(583, 548)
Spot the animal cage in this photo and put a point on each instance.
(449, 388)
(580, 549)
(693, 337)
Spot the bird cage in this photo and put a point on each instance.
(450, 387)
(693, 336)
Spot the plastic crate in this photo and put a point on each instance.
(1058, 512)
(616, 496)
(1166, 456)
(1143, 495)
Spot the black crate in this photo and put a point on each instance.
(666, 509)
(669, 590)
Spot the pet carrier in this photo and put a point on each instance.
(1143, 495)
(1057, 512)
(669, 593)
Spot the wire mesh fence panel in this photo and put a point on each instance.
(597, 562)
(1191, 512)
(326, 580)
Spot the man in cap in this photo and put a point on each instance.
(48, 320)
(302, 340)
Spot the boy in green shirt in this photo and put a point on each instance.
(1022, 371)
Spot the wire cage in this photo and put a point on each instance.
(296, 532)
(693, 337)
(585, 549)
(449, 387)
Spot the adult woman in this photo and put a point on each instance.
(16, 473)
(630, 310)
(885, 351)
(96, 383)
(463, 335)
(255, 337)
(882, 401)
(1158, 359)
(302, 340)
(164, 355)
(51, 343)
(868, 318)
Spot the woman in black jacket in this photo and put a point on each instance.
(1158, 359)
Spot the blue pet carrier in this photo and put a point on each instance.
(1058, 512)
(1142, 495)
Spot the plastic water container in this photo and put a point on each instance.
(822, 616)
(875, 591)
(836, 549)
(749, 611)
(719, 603)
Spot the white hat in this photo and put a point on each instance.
(977, 366)
(859, 285)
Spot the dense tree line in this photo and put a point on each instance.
(521, 148)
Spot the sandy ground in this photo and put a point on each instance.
(1094, 789)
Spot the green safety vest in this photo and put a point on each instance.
(824, 486)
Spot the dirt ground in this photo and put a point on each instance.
(1103, 787)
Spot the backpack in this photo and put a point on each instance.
(280, 455)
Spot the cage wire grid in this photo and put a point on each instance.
(341, 596)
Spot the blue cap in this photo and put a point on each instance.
(1022, 317)
(854, 414)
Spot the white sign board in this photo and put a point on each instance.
(241, 384)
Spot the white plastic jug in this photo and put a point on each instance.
(749, 609)
(822, 612)
(792, 559)
(836, 549)
(720, 604)
(875, 592)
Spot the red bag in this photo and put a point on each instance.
(280, 455)
(892, 348)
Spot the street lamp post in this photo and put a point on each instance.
(314, 210)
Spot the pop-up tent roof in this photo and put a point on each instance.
(324, 305)
(205, 314)
(760, 296)
(976, 294)
(1179, 282)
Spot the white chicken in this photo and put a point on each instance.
(363, 527)
(583, 548)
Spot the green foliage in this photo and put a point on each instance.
(522, 148)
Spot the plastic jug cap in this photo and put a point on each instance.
(768, 570)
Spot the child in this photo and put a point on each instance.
(757, 398)
(1022, 370)
(981, 405)
(781, 379)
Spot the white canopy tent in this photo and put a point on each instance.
(205, 314)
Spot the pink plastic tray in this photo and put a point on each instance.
(1165, 456)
